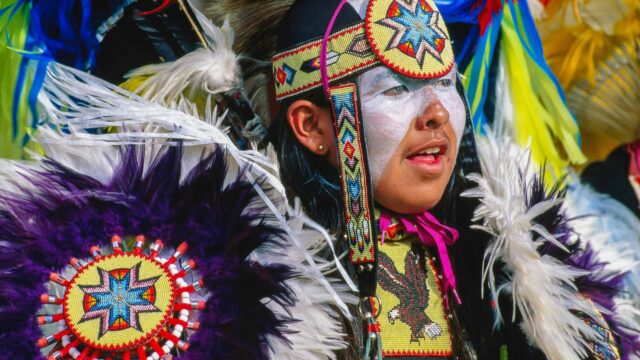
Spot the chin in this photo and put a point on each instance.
(403, 190)
(409, 203)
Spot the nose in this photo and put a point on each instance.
(434, 116)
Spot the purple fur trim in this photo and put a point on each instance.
(73, 212)
(599, 285)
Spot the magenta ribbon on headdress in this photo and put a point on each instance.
(323, 48)
(430, 232)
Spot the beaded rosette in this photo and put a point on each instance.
(122, 305)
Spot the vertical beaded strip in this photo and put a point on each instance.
(123, 305)
(357, 206)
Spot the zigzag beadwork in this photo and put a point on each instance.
(358, 213)
(298, 70)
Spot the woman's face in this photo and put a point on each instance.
(413, 129)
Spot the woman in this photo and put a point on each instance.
(407, 105)
(373, 133)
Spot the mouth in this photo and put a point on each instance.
(429, 157)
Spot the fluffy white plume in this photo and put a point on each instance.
(205, 71)
(542, 288)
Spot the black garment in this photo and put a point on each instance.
(611, 177)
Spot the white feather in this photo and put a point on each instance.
(319, 332)
(537, 9)
(205, 71)
(12, 176)
(504, 115)
(542, 288)
(613, 231)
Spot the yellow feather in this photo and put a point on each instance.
(13, 130)
(597, 62)
(133, 83)
(541, 118)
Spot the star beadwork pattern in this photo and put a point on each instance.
(124, 303)
(119, 299)
(416, 30)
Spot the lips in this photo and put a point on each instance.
(428, 157)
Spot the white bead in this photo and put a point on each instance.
(178, 328)
(184, 312)
(184, 318)
(176, 333)
(166, 349)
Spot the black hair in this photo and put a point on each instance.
(305, 174)
(317, 183)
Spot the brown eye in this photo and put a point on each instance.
(444, 82)
(396, 91)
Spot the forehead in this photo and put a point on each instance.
(381, 72)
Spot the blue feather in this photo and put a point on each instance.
(531, 40)
(70, 31)
(460, 11)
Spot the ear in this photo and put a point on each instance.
(313, 127)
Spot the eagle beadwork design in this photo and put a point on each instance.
(412, 291)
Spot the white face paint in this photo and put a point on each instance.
(391, 103)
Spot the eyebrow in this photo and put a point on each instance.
(388, 73)
(383, 75)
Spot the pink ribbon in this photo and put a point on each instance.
(634, 154)
(430, 232)
(323, 48)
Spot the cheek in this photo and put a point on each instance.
(386, 122)
(452, 101)
(405, 194)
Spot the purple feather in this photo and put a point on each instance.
(72, 212)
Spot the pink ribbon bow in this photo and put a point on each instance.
(430, 232)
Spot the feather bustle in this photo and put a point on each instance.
(543, 289)
(75, 101)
